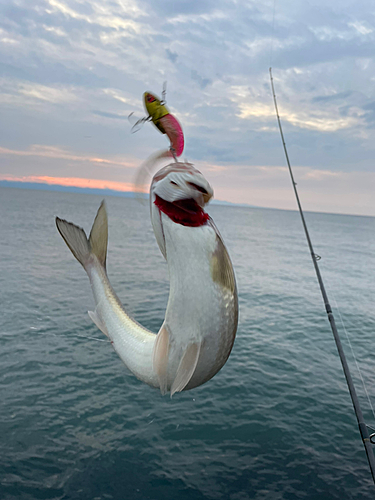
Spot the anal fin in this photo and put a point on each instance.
(186, 368)
(97, 320)
(160, 358)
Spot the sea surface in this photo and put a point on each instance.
(275, 423)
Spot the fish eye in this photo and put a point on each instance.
(174, 183)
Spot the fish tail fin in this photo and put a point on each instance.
(82, 247)
(99, 235)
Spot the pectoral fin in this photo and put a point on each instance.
(221, 267)
(186, 367)
(160, 358)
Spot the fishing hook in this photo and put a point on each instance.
(139, 122)
(173, 151)
(163, 94)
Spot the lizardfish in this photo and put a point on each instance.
(201, 318)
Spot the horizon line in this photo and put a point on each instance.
(74, 189)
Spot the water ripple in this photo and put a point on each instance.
(275, 423)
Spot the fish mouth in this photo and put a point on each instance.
(185, 212)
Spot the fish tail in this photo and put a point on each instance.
(84, 248)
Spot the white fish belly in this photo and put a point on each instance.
(133, 343)
(199, 309)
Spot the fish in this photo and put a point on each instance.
(201, 318)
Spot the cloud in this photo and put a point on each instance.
(109, 115)
(101, 14)
(44, 93)
(71, 72)
(172, 56)
(55, 152)
(202, 82)
(338, 192)
(309, 115)
(341, 96)
(369, 109)
(21, 93)
(171, 8)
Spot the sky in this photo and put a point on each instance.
(71, 71)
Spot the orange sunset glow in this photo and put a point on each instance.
(73, 181)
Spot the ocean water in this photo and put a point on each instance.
(275, 423)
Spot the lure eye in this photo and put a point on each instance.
(150, 98)
(198, 188)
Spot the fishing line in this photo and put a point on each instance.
(366, 439)
(92, 338)
(273, 30)
(352, 351)
(75, 335)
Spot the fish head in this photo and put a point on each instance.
(181, 192)
(154, 107)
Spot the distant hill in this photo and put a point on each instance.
(103, 192)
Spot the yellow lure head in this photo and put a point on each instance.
(155, 109)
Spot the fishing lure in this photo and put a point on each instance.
(164, 121)
(167, 124)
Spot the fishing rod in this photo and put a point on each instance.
(363, 429)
